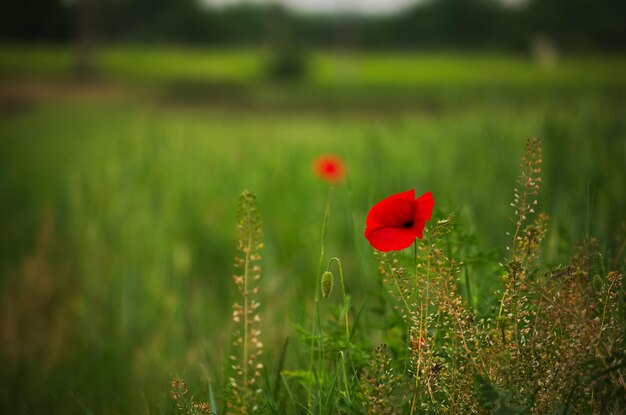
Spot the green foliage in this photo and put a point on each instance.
(495, 400)
(547, 336)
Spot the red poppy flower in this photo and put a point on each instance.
(394, 223)
(330, 168)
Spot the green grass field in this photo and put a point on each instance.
(117, 216)
(160, 64)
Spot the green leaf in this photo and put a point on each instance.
(492, 397)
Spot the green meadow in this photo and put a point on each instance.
(448, 70)
(118, 213)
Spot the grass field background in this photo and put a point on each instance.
(447, 69)
(117, 215)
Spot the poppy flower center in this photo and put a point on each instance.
(408, 224)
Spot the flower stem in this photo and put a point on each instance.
(316, 324)
(343, 295)
(345, 375)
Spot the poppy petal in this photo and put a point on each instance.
(390, 239)
(418, 228)
(393, 211)
(424, 207)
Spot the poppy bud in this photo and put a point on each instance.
(327, 284)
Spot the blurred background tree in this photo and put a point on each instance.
(575, 25)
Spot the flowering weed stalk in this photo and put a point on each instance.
(243, 389)
(185, 403)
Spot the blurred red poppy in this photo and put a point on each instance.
(393, 223)
(330, 168)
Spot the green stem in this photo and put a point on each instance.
(345, 375)
(468, 288)
(246, 299)
(343, 295)
(316, 317)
